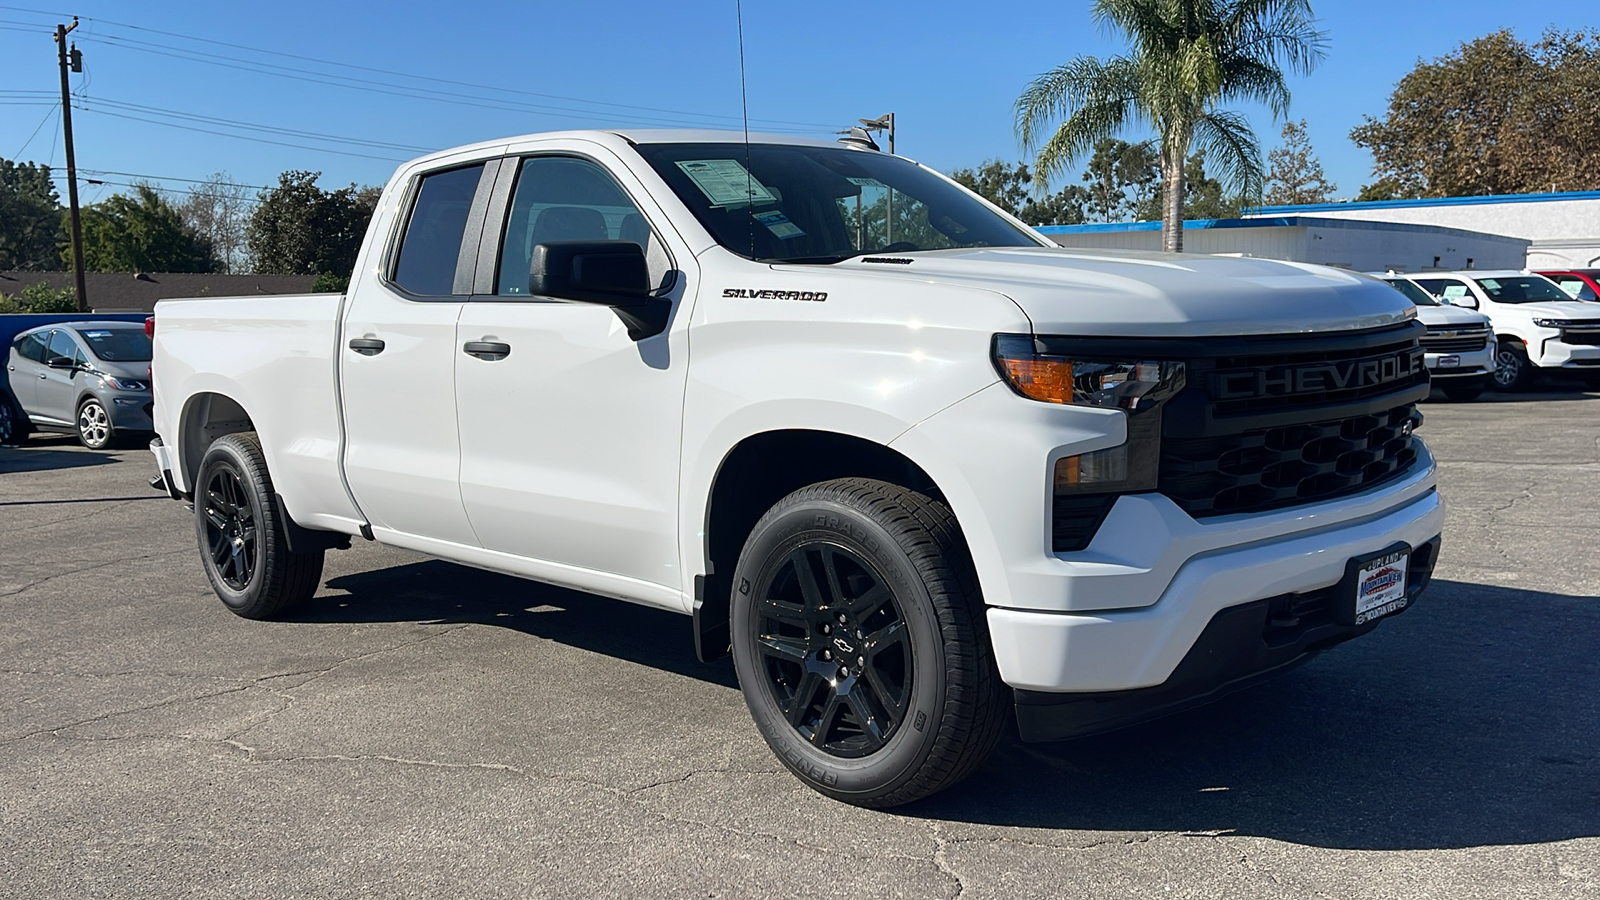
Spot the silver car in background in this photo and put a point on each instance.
(89, 378)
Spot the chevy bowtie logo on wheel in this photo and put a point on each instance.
(1282, 381)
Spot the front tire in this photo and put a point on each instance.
(94, 426)
(861, 644)
(1512, 369)
(241, 533)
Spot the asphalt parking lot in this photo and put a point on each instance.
(426, 730)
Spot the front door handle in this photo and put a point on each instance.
(366, 346)
(488, 351)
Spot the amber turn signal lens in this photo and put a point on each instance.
(1041, 378)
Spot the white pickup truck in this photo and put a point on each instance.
(913, 465)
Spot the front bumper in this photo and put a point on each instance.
(1557, 354)
(1474, 363)
(1239, 647)
(129, 411)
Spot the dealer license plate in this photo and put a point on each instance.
(1381, 586)
(1449, 362)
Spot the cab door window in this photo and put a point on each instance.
(430, 248)
(62, 346)
(563, 198)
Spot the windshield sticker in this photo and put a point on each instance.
(867, 183)
(1455, 291)
(97, 334)
(1489, 284)
(725, 182)
(779, 224)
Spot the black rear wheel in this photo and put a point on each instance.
(861, 645)
(14, 424)
(241, 533)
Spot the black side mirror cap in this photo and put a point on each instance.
(60, 362)
(608, 273)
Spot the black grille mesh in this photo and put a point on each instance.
(1269, 468)
(1455, 345)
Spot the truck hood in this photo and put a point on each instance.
(1450, 315)
(1554, 309)
(1137, 294)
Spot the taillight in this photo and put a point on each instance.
(150, 327)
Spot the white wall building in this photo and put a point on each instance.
(1362, 246)
(1563, 230)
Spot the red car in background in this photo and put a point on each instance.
(1582, 284)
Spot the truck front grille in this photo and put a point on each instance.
(1586, 334)
(1302, 419)
(1268, 468)
(1441, 339)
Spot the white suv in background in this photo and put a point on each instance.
(1538, 326)
(1459, 347)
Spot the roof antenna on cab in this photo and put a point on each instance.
(744, 109)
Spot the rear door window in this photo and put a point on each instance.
(430, 248)
(31, 346)
(1575, 287)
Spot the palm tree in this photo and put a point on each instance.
(1187, 56)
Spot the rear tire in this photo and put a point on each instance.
(1512, 369)
(241, 533)
(14, 424)
(861, 643)
(1465, 390)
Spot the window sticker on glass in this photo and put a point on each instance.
(1455, 291)
(1489, 284)
(90, 334)
(725, 182)
(779, 224)
(867, 183)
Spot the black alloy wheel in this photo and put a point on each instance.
(230, 528)
(241, 526)
(861, 643)
(836, 655)
(14, 426)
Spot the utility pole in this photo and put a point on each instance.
(74, 60)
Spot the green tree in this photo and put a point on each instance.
(1122, 177)
(300, 229)
(1187, 57)
(40, 298)
(1008, 186)
(1294, 174)
(30, 217)
(1497, 116)
(140, 232)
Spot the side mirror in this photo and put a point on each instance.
(1466, 301)
(608, 273)
(60, 362)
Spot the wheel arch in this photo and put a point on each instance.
(753, 475)
(206, 416)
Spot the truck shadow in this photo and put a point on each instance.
(1471, 720)
(51, 451)
(443, 592)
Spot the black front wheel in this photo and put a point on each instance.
(241, 533)
(861, 645)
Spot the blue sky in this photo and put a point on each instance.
(949, 71)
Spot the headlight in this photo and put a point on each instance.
(1551, 323)
(1137, 387)
(125, 384)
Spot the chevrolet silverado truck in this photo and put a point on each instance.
(914, 466)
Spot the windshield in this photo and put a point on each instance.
(1521, 289)
(824, 204)
(118, 344)
(1413, 293)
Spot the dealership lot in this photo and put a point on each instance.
(430, 730)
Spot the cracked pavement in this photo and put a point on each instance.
(426, 730)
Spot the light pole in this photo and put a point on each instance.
(73, 60)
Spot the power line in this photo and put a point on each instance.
(160, 187)
(243, 137)
(232, 62)
(47, 116)
(125, 106)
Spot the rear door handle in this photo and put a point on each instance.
(366, 346)
(488, 351)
